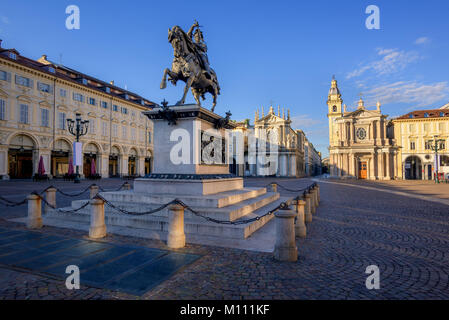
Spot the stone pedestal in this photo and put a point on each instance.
(97, 226)
(93, 191)
(300, 226)
(307, 209)
(34, 212)
(50, 197)
(192, 153)
(285, 248)
(176, 236)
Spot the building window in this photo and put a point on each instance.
(62, 93)
(428, 145)
(441, 114)
(442, 145)
(412, 145)
(149, 136)
(104, 104)
(334, 109)
(22, 81)
(133, 134)
(92, 125)
(124, 132)
(5, 76)
(44, 87)
(114, 130)
(44, 118)
(115, 107)
(92, 101)
(13, 56)
(104, 129)
(426, 115)
(78, 97)
(62, 120)
(124, 110)
(2, 109)
(24, 113)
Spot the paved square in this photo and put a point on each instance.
(129, 269)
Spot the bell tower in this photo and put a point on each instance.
(334, 105)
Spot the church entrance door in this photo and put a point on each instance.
(363, 170)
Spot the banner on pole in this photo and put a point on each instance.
(77, 153)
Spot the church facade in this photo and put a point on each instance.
(361, 143)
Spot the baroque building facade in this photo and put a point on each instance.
(292, 156)
(36, 99)
(361, 142)
(416, 132)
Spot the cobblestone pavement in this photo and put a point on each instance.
(407, 238)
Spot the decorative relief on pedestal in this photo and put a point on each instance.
(213, 149)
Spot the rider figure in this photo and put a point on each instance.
(200, 45)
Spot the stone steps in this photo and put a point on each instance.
(219, 200)
(157, 225)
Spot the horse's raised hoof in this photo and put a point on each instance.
(163, 85)
(179, 103)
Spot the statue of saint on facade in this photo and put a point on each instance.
(191, 65)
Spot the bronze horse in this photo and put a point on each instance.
(186, 66)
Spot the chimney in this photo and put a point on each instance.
(111, 82)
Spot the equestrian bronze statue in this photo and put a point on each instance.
(191, 65)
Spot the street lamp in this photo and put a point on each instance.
(436, 147)
(77, 128)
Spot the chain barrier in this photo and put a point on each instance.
(293, 190)
(59, 209)
(9, 203)
(282, 205)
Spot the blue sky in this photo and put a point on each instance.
(279, 52)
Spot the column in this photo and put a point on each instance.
(124, 165)
(372, 174)
(395, 169)
(3, 161)
(351, 165)
(104, 165)
(140, 166)
(387, 166)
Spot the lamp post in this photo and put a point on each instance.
(436, 147)
(77, 128)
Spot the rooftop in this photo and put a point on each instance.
(423, 114)
(65, 73)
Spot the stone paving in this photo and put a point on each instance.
(406, 237)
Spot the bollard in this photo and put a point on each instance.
(126, 186)
(93, 191)
(318, 193)
(315, 197)
(97, 226)
(285, 248)
(50, 197)
(300, 226)
(34, 212)
(312, 201)
(307, 209)
(176, 236)
(274, 187)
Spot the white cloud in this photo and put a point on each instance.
(410, 92)
(422, 40)
(392, 60)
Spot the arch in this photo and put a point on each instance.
(13, 140)
(133, 152)
(116, 149)
(63, 145)
(413, 168)
(93, 147)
